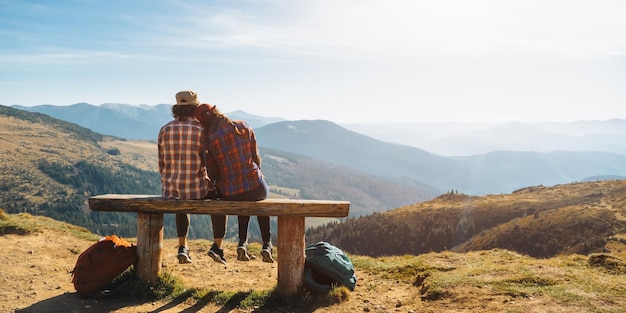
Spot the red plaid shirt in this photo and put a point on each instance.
(181, 160)
(230, 157)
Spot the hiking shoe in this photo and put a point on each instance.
(266, 253)
(183, 255)
(243, 255)
(217, 254)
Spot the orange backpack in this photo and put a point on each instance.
(101, 263)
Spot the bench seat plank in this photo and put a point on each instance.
(268, 207)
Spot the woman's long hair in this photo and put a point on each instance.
(209, 117)
(212, 116)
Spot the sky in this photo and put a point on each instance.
(348, 61)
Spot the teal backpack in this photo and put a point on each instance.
(326, 266)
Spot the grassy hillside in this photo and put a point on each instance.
(50, 167)
(36, 279)
(537, 221)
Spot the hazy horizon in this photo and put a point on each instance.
(443, 122)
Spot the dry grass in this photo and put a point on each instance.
(138, 153)
(480, 281)
(540, 221)
(568, 281)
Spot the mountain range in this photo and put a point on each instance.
(126, 121)
(494, 171)
(50, 167)
(441, 138)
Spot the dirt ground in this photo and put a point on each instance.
(35, 276)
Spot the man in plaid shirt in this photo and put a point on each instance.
(181, 163)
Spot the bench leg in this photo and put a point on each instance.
(291, 256)
(149, 246)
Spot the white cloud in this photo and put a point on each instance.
(406, 28)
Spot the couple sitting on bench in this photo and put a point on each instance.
(205, 155)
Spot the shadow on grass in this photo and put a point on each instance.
(72, 302)
(128, 291)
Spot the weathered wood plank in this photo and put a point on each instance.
(268, 207)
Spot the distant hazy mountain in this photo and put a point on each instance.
(494, 172)
(255, 121)
(507, 156)
(444, 139)
(459, 139)
(367, 193)
(127, 121)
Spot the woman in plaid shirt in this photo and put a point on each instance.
(181, 162)
(234, 165)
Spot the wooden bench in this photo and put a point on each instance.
(290, 212)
